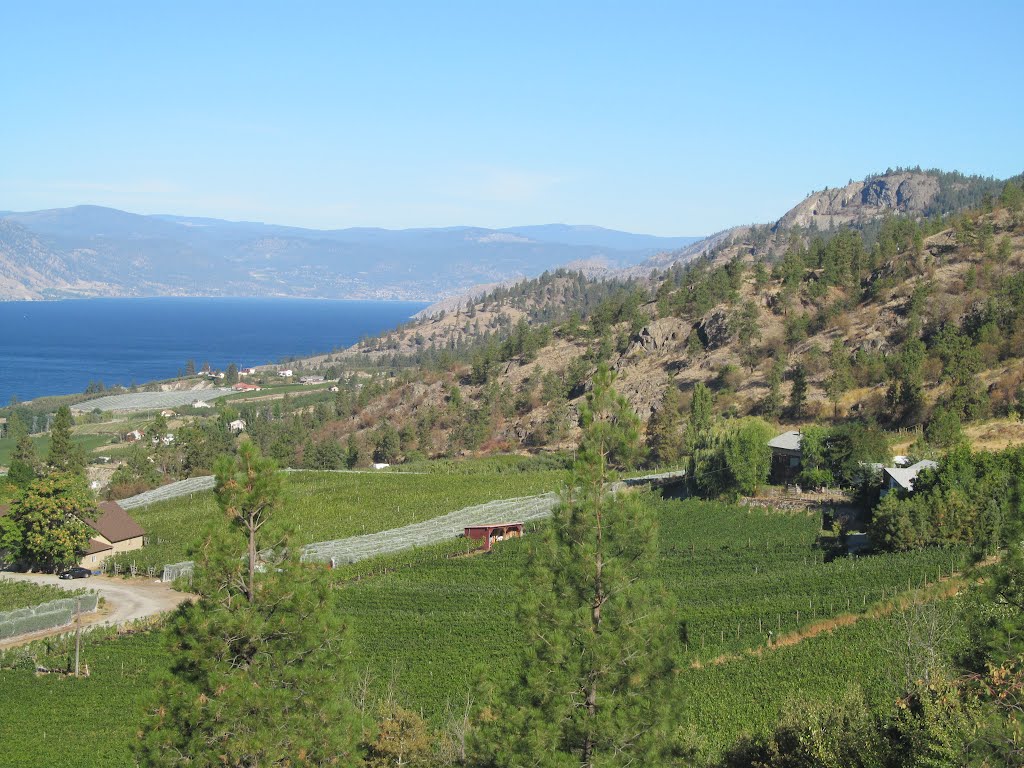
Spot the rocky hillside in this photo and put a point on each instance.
(910, 323)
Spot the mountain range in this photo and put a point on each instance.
(94, 251)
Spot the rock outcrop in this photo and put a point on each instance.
(909, 192)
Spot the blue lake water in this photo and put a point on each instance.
(58, 347)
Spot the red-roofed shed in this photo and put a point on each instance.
(490, 533)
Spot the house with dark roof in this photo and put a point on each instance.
(112, 530)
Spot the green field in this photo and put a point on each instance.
(20, 594)
(321, 506)
(90, 442)
(431, 625)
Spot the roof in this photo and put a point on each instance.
(905, 476)
(96, 546)
(787, 441)
(492, 525)
(113, 523)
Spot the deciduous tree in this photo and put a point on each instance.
(49, 516)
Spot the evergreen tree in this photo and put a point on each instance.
(231, 375)
(248, 490)
(24, 463)
(351, 451)
(591, 688)
(702, 409)
(258, 670)
(64, 455)
(664, 429)
(798, 395)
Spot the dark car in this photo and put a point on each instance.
(76, 573)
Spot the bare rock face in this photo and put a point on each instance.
(713, 330)
(659, 335)
(897, 192)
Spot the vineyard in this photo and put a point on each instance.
(22, 594)
(431, 622)
(324, 506)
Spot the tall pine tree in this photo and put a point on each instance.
(591, 690)
(64, 455)
(259, 664)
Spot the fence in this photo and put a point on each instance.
(56, 613)
(177, 571)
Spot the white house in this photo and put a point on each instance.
(201, 404)
(285, 374)
(236, 426)
(380, 465)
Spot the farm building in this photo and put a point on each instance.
(243, 387)
(786, 455)
(285, 374)
(236, 426)
(311, 380)
(134, 436)
(493, 532)
(167, 413)
(201, 404)
(112, 531)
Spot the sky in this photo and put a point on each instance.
(665, 118)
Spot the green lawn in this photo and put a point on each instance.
(321, 506)
(89, 442)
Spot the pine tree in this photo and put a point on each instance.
(664, 429)
(259, 664)
(24, 463)
(64, 455)
(798, 395)
(590, 691)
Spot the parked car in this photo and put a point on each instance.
(76, 573)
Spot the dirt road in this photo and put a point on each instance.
(125, 599)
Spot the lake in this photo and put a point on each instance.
(58, 347)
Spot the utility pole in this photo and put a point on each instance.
(78, 631)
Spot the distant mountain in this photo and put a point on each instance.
(94, 251)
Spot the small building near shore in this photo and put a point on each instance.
(491, 533)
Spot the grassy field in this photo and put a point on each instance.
(20, 594)
(90, 442)
(430, 625)
(321, 506)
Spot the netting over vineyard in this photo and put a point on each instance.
(55, 613)
(169, 491)
(150, 401)
(448, 526)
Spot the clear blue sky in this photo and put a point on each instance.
(643, 116)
